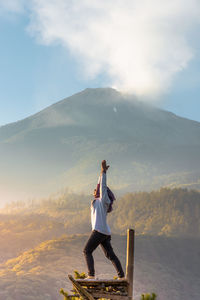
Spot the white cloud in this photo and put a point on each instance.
(139, 44)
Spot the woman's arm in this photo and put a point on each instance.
(103, 185)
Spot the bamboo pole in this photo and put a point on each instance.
(130, 261)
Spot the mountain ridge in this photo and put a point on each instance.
(62, 145)
(112, 91)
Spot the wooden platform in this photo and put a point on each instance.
(108, 288)
(95, 289)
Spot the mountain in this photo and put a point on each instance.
(161, 266)
(62, 146)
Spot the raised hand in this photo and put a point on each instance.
(104, 166)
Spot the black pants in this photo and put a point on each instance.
(96, 238)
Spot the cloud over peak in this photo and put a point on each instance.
(139, 44)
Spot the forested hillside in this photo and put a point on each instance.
(170, 212)
(161, 266)
(37, 250)
(167, 212)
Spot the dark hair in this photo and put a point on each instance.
(112, 198)
(110, 195)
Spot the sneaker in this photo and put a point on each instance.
(121, 278)
(90, 277)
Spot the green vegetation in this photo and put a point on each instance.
(65, 294)
(166, 212)
(78, 275)
(148, 296)
(169, 212)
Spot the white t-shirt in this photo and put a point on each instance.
(99, 208)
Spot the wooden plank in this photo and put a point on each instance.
(109, 296)
(102, 281)
(80, 290)
(74, 295)
(130, 261)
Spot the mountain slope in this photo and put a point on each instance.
(62, 146)
(40, 272)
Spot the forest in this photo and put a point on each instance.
(170, 212)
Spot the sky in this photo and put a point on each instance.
(51, 49)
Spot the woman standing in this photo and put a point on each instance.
(101, 234)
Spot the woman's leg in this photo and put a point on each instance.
(109, 253)
(94, 240)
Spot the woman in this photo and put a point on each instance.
(101, 234)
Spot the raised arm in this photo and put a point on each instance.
(103, 184)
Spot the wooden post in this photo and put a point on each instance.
(130, 261)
